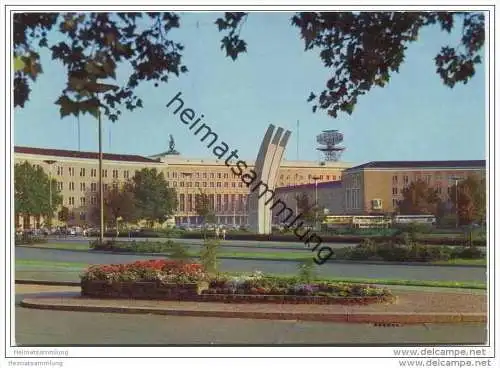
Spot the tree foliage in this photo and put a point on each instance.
(203, 207)
(32, 191)
(419, 199)
(471, 199)
(63, 214)
(362, 49)
(119, 203)
(154, 201)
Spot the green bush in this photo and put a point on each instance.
(134, 247)
(29, 240)
(411, 252)
(208, 255)
(468, 253)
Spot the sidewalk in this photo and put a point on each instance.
(412, 307)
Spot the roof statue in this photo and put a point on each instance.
(171, 146)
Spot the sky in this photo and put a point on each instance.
(415, 117)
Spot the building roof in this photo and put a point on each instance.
(421, 164)
(80, 154)
(323, 185)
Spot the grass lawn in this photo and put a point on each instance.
(34, 263)
(278, 255)
(58, 266)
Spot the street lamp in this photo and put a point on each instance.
(50, 163)
(99, 88)
(316, 178)
(456, 179)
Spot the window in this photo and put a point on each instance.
(71, 186)
(174, 183)
(82, 187)
(59, 185)
(212, 184)
(212, 175)
(126, 174)
(181, 202)
(320, 177)
(189, 184)
(334, 177)
(240, 185)
(93, 173)
(181, 184)
(106, 186)
(226, 202)
(428, 179)
(204, 175)
(104, 173)
(405, 180)
(395, 179)
(115, 174)
(174, 175)
(376, 204)
(328, 177)
(197, 175)
(93, 200)
(394, 203)
(394, 191)
(71, 201)
(167, 175)
(59, 170)
(82, 171)
(219, 175)
(190, 202)
(115, 186)
(226, 176)
(71, 171)
(204, 184)
(93, 187)
(168, 184)
(219, 184)
(233, 184)
(197, 184)
(82, 216)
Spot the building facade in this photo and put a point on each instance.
(377, 187)
(77, 179)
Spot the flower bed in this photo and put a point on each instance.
(257, 288)
(152, 279)
(174, 280)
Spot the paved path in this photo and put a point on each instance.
(40, 327)
(400, 272)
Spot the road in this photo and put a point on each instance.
(44, 327)
(401, 272)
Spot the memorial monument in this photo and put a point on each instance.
(267, 166)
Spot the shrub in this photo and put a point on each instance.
(307, 270)
(136, 247)
(468, 253)
(29, 240)
(208, 254)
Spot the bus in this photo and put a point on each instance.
(335, 222)
(371, 222)
(414, 219)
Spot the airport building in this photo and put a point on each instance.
(376, 187)
(77, 180)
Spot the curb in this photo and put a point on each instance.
(375, 318)
(49, 283)
(331, 261)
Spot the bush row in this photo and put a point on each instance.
(29, 240)
(393, 252)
